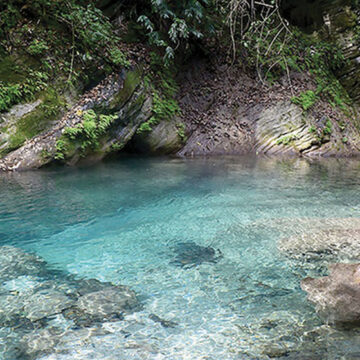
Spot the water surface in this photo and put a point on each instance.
(122, 222)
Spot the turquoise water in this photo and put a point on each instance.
(122, 221)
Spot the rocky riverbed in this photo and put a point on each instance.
(41, 308)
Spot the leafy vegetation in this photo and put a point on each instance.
(181, 130)
(306, 100)
(328, 128)
(63, 40)
(117, 57)
(86, 135)
(171, 25)
(11, 94)
(286, 140)
(163, 89)
(37, 47)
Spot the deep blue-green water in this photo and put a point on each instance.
(123, 221)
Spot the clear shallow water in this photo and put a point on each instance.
(121, 221)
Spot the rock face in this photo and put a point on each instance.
(337, 296)
(225, 116)
(342, 21)
(164, 139)
(224, 111)
(123, 95)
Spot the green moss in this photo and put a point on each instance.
(162, 109)
(38, 120)
(15, 141)
(161, 82)
(132, 81)
(346, 19)
(11, 71)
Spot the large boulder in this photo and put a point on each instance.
(165, 138)
(337, 296)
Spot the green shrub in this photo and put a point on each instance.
(306, 99)
(181, 130)
(328, 128)
(86, 134)
(312, 129)
(118, 58)
(37, 47)
(286, 140)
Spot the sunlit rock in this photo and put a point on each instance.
(52, 340)
(337, 296)
(45, 303)
(332, 243)
(113, 300)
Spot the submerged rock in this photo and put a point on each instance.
(104, 303)
(53, 340)
(337, 296)
(86, 286)
(301, 225)
(46, 303)
(45, 313)
(189, 254)
(15, 262)
(339, 243)
(282, 335)
(163, 322)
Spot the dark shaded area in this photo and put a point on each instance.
(306, 14)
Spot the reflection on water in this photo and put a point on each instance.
(197, 240)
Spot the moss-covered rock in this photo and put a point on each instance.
(25, 121)
(101, 122)
(168, 137)
(342, 27)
